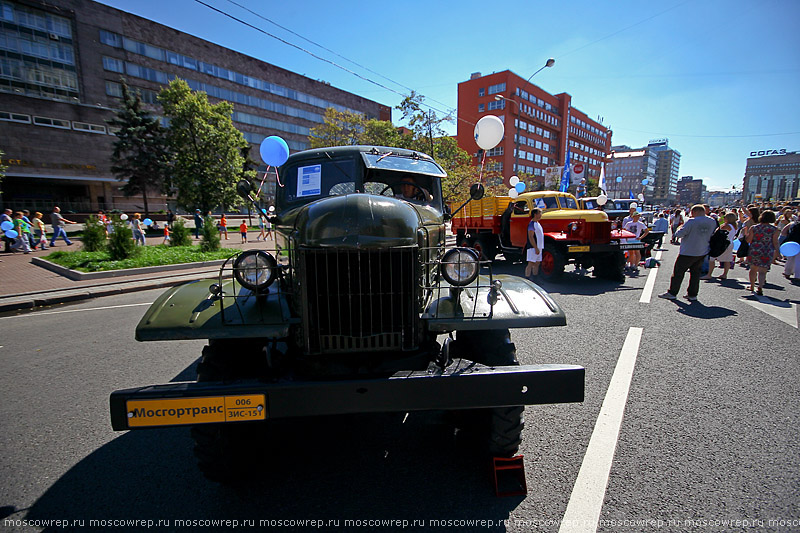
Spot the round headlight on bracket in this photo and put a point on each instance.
(255, 269)
(460, 266)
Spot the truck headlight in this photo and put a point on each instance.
(255, 269)
(460, 266)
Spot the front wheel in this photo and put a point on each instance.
(500, 428)
(553, 262)
(610, 265)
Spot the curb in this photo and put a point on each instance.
(30, 301)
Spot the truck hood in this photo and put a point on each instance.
(589, 215)
(357, 221)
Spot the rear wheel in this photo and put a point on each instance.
(553, 262)
(486, 245)
(230, 452)
(610, 265)
(499, 428)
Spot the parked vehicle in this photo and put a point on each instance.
(345, 315)
(572, 235)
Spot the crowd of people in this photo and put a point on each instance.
(754, 234)
(24, 232)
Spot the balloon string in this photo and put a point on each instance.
(278, 178)
(480, 174)
(262, 181)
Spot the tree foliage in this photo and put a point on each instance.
(120, 240)
(140, 156)
(207, 148)
(94, 235)
(344, 128)
(180, 234)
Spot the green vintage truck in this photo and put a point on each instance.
(359, 308)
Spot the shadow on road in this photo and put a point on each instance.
(333, 468)
(568, 283)
(698, 310)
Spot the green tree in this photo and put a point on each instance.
(207, 148)
(140, 156)
(94, 235)
(180, 235)
(120, 240)
(210, 241)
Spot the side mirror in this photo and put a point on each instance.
(476, 191)
(243, 188)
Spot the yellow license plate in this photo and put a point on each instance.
(179, 411)
(578, 248)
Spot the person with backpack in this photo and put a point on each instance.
(791, 269)
(722, 239)
(695, 236)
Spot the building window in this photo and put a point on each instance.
(114, 65)
(499, 88)
(481, 108)
(113, 89)
(89, 128)
(482, 92)
(497, 104)
(495, 151)
(15, 117)
(111, 39)
(51, 122)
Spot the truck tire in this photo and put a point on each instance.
(553, 262)
(486, 246)
(226, 452)
(610, 265)
(499, 428)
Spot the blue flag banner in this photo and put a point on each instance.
(630, 195)
(565, 176)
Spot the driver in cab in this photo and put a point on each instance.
(411, 191)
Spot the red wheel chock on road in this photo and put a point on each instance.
(509, 476)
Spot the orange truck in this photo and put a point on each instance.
(499, 224)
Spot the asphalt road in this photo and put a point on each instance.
(709, 434)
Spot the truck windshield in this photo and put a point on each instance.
(311, 180)
(546, 202)
(390, 161)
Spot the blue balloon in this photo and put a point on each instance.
(619, 179)
(520, 187)
(736, 244)
(790, 249)
(11, 234)
(644, 181)
(7, 225)
(147, 222)
(274, 151)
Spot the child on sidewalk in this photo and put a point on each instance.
(166, 234)
(243, 231)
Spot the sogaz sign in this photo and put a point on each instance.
(759, 153)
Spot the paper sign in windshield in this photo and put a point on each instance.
(309, 180)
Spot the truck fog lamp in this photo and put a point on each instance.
(255, 269)
(460, 266)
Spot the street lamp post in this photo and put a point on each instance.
(549, 63)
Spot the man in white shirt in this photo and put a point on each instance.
(695, 235)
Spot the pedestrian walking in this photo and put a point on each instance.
(792, 266)
(26, 216)
(243, 231)
(223, 225)
(59, 222)
(170, 217)
(166, 234)
(639, 229)
(763, 240)
(21, 243)
(5, 216)
(39, 232)
(677, 222)
(695, 235)
(726, 259)
(660, 227)
(262, 235)
(535, 244)
(138, 229)
(198, 223)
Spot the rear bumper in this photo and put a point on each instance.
(603, 248)
(463, 385)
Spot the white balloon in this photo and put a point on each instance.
(602, 199)
(489, 132)
(634, 205)
(271, 208)
(513, 193)
(513, 180)
(641, 197)
(123, 216)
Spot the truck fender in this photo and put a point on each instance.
(518, 303)
(192, 311)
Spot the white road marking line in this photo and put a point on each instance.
(647, 293)
(586, 502)
(783, 311)
(35, 314)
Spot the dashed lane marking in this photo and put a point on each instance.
(37, 314)
(647, 293)
(586, 501)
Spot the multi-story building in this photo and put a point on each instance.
(61, 67)
(668, 162)
(690, 191)
(631, 172)
(773, 177)
(539, 124)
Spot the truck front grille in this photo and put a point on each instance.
(359, 300)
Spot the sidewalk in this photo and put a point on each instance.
(24, 285)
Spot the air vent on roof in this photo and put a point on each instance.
(474, 75)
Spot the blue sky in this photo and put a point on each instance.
(718, 78)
